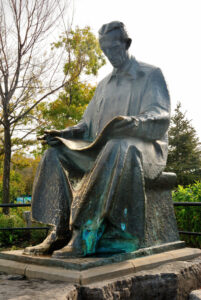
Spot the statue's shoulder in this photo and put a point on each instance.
(104, 80)
(146, 68)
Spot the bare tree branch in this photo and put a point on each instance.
(27, 73)
(36, 103)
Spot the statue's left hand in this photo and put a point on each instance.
(122, 125)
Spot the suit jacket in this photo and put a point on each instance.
(139, 91)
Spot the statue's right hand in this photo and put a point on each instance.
(50, 134)
(48, 137)
(53, 132)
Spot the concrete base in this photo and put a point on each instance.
(14, 262)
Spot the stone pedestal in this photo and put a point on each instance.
(161, 226)
(164, 276)
(90, 269)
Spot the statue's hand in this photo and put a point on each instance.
(53, 132)
(123, 126)
(49, 137)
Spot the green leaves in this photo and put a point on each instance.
(83, 53)
(189, 217)
(68, 109)
(18, 238)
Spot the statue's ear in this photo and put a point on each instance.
(128, 43)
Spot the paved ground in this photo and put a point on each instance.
(18, 288)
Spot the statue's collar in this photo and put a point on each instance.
(129, 69)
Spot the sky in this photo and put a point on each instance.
(165, 33)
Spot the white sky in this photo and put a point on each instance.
(165, 33)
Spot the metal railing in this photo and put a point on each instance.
(15, 205)
(188, 204)
(12, 205)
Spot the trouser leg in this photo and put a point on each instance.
(116, 180)
(52, 192)
(52, 196)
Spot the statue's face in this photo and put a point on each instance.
(114, 48)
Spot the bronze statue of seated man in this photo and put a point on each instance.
(120, 141)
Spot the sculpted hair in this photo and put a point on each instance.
(116, 25)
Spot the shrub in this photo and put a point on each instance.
(8, 238)
(189, 217)
(18, 238)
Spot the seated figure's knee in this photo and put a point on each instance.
(127, 150)
(115, 143)
(123, 144)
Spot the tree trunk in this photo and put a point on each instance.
(6, 169)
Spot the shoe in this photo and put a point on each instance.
(51, 243)
(73, 249)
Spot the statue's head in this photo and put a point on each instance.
(115, 42)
